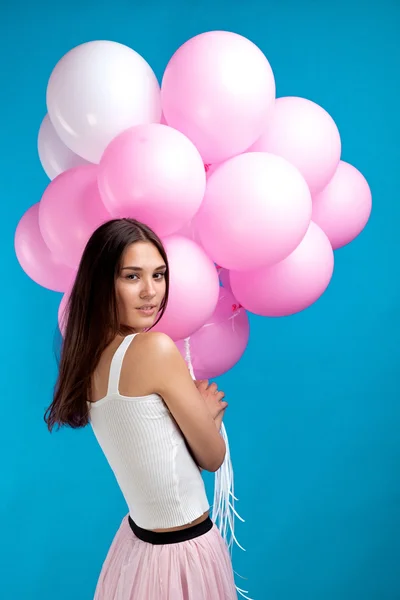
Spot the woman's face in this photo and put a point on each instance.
(140, 286)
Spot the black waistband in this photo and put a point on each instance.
(171, 537)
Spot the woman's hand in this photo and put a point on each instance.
(213, 399)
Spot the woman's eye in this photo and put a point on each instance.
(134, 276)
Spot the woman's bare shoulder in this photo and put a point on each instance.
(155, 342)
(145, 363)
(157, 355)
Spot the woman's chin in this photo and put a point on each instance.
(142, 323)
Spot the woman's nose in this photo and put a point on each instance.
(148, 290)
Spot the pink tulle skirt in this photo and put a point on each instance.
(197, 569)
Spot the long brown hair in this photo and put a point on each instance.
(91, 317)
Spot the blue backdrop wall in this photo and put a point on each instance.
(314, 405)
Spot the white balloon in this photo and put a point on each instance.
(96, 91)
(54, 155)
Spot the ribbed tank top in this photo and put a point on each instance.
(160, 481)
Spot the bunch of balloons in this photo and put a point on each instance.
(244, 188)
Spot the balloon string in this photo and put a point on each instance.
(224, 511)
(188, 357)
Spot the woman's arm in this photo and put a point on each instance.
(171, 379)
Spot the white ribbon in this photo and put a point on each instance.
(224, 511)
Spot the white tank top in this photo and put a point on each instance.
(146, 450)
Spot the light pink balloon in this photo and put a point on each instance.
(218, 89)
(220, 343)
(152, 173)
(210, 168)
(306, 135)
(343, 208)
(194, 288)
(34, 256)
(189, 231)
(256, 210)
(293, 284)
(70, 211)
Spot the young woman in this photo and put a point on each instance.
(156, 427)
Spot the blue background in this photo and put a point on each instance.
(314, 414)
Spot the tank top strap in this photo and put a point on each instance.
(116, 364)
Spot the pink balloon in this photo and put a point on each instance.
(189, 231)
(306, 135)
(343, 208)
(70, 211)
(34, 256)
(256, 210)
(210, 168)
(194, 288)
(220, 343)
(293, 284)
(154, 174)
(224, 279)
(218, 89)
